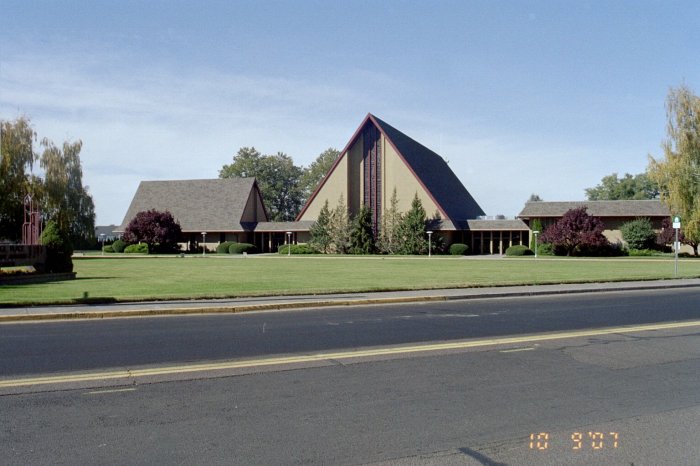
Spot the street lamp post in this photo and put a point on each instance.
(204, 243)
(536, 232)
(102, 240)
(289, 243)
(430, 234)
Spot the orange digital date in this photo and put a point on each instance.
(579, 440)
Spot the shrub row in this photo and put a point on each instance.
(519, 250)
(459, 249)
(240, 248)
(297, 249)
(141, 248)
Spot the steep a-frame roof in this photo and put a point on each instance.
(198, 205)
(434, 174)
(431, 171)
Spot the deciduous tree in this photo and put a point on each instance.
(317, 171)
(613, 188)
(678, 173)
(277, 176)
(157, 229)
(576, 233)
(65, 200)
(17, 157)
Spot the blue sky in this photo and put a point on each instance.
(520, 97)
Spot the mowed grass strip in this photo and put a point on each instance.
(145, 278)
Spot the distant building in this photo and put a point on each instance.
(612, 213)
(109, 232)
(228, 209)
(379, 159)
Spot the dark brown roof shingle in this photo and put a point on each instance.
(627, 208)
(198, 205)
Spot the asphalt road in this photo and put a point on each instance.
(37, 348)
(633, 397)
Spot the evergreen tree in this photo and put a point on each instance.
(437, 243)
(412, 230)
(339, 228)
(362, 236)
(320, 231)
(535, 225)
(389, 239)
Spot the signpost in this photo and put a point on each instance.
(676, 245)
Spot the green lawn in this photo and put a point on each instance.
(140, 278)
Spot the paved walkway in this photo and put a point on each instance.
(234, 305)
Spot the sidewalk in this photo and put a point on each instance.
(234, 305)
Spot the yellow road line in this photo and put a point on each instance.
(325, 357)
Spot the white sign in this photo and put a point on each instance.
(676, 222)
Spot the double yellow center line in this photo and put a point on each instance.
(335, 356)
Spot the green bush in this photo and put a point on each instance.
(643, 252)
(58, 249)
(638, 233)
(223, 247)
(459, 249)
(108, 248)
(519, 250)
(297, 249)
(141, 248)
(240, 248)
(545, 249)
(118, 246)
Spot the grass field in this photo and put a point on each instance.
(141, 278)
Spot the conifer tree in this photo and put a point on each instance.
(339, 228)
(320, 231)
(412, 230)
(362, 236)
(389, 233)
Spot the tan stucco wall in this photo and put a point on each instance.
(397, 175)
(335, 186)
(253, 211)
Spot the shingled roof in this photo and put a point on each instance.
(627, 208)
(198, 205)
(434, 173)
(440, 182)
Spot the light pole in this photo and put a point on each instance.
(536, 232)
(430, 233)
(204, 243)
(289, 243)
(102, 239)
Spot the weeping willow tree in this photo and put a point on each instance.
(678, 172)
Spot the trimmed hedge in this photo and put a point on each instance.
(459, 249)
(545, 249)
(58, 249)
(108, 248)
(297, 249)
(223, 248)
(519, 250)
(240, 248)
(141, 248)
(118, 246)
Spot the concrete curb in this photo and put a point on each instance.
(603, 288)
